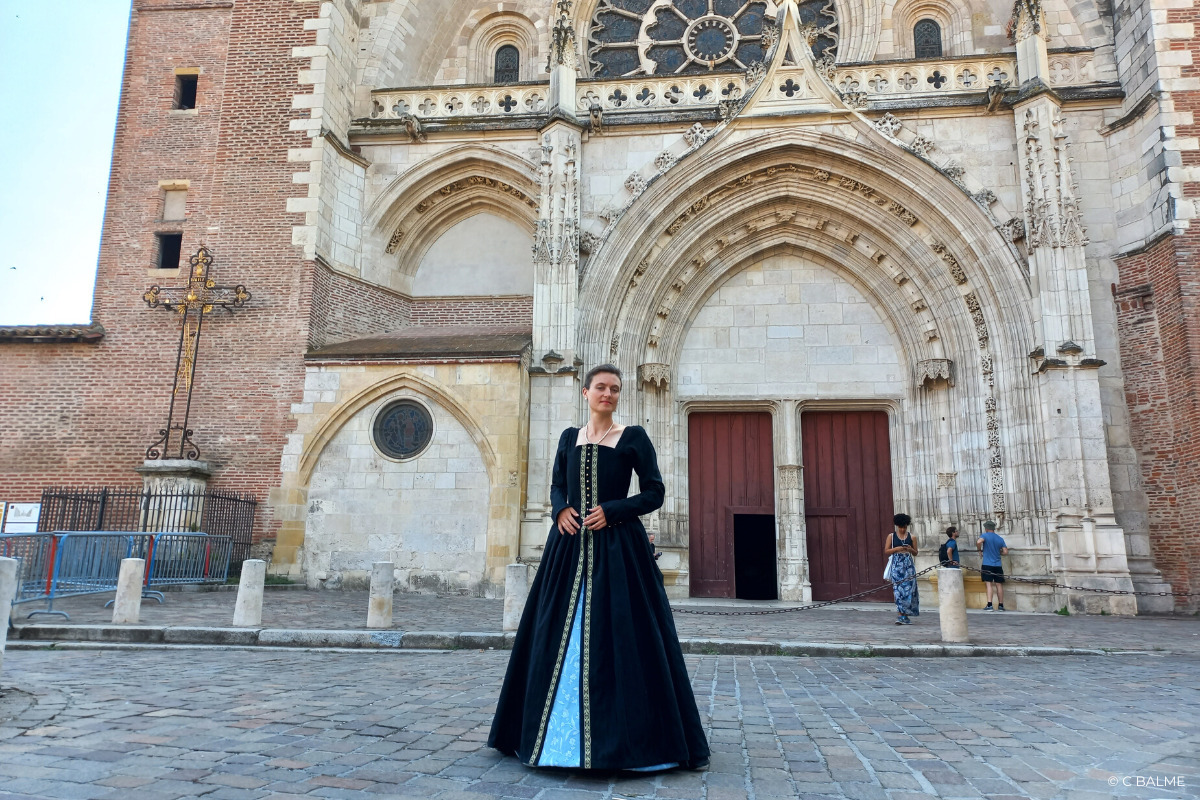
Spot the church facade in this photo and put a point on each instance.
(853, 258)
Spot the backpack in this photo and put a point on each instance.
(944, 553)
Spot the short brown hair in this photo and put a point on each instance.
(594, 371)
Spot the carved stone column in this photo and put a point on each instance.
(554, 371)
(794, 579)
(935, 378)
(654, 383)
(1087, 546)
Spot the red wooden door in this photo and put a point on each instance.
(730, 471)
(847, 500)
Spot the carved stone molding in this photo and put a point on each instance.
(956, 270)
(933, 371)
(1014, 229)
(921, 145)
(768, 173)
(1052, 210)
(394, 242)
(654, 374)
(473, 182)
(889, 125)
(696, 136)
(947, 480)
(789, 476)
(981, 329)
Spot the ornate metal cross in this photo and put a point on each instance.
(192, 302)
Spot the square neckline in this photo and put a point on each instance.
(607, 447)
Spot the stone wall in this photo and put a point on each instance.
(344, 505)
(427, 515)
(787, 327)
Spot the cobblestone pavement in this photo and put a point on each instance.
(240, 724)
(862, 623)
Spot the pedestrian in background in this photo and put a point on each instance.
(992, 546)
(900, 548)
(948, 552)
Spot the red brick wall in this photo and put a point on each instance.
(473, 311)
(344, 308)
(1160, 352)
(84, 415)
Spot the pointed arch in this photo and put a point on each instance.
(316, 442)
(420, 205)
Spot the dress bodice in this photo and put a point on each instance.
(606, 474)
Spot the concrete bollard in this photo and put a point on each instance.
(8, 590)
(383, 584)
(247, 613)
(127, 607)
(516, 592)
(952, 605)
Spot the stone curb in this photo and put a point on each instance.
(27, 635)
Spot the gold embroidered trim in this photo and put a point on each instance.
(585, 683)
(566, 636)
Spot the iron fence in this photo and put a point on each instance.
(210, 511)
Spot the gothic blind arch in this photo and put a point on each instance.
(912, 22)
(500, 37)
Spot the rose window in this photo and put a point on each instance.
(679, 37)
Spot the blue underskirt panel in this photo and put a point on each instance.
(564, 744)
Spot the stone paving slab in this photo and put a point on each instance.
(277, 723)
(863, 624)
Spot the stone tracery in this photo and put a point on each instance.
(657, 37)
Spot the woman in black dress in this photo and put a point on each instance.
(596, 679)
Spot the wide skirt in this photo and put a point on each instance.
(597, 661)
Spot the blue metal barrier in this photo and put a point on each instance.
(178, 559)
(56, 565)
(34, 553)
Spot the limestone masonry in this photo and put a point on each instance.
(945, 247)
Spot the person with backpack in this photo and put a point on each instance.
(948, 552)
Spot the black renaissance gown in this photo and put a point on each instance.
(596, 678)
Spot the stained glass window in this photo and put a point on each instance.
(927, 38)
(508, 64)
(681, 37)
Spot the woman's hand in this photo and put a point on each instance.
(568, 521)
(595, 519)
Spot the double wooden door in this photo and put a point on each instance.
(847, 500)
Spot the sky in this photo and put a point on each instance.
(60, 81)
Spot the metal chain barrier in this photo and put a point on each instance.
(768, 611)
(1087, 588)
(857, 595)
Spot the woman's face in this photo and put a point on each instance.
(603, 394)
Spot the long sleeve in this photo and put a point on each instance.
(650, 481)
(558, 478)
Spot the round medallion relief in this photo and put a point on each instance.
(402, 430)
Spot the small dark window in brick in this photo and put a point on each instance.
(927, 37)
(185, 91)
(169, 247)
(508, 64)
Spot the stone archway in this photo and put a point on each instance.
(939, 274)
